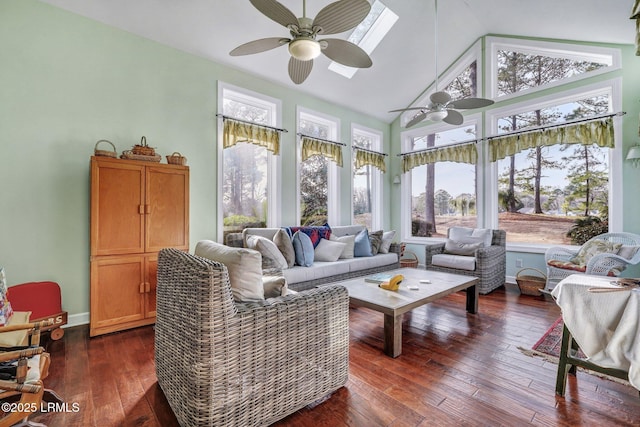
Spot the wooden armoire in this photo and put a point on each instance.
(137, 208)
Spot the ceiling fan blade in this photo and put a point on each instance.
(467, 103)
(341, 16)
(258, 46)
(346, 53)
(417, 119)
(276, 11)
(440, 97)
(299, 70)
(454, 118)
(407, 109)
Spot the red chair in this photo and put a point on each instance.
(44, 301)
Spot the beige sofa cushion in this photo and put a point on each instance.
(271, 255)
(244, 267)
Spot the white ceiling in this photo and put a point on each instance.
(403, 63)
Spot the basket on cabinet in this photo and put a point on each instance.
(143, 149)
(105, 153)
(176, 159)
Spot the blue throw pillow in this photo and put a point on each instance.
(362, 246)
(303, 249)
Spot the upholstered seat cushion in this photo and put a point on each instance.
(459, 262)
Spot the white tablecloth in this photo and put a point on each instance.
(606, 326)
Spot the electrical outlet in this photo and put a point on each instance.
(519, 263)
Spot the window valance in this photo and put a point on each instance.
(366, 157)
(599, 132)
(235, 131)
(460, 153)
(330, 150)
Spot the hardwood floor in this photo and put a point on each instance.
(456, 369)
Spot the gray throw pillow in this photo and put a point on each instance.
(455, 247)
(375, 238)
(285, 245)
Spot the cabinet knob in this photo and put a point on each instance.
(147, 209)
(141, 288)
(147, 287)
(141, 209)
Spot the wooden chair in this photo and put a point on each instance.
(26, 366)
(569, 362)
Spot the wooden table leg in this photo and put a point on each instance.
(472, 299)
(393, 335)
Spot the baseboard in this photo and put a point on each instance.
(77, 320)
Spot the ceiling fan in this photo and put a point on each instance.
(334, 18)
(441, 107)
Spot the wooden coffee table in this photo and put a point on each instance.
(393, 304)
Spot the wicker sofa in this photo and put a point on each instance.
(302, 278)
(489, 263)
(224, 363)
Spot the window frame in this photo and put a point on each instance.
(273, 161)
(333, 178)
(405, 191)
(551, 49)
(377, 213)
(611, 87)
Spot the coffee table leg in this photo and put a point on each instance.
(393, 335)
(472, 299)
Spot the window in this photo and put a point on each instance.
(248, 172)
(524, 66)
(439, 195)
(460, 81)
(367, 181)
(542, 191)
(318, 186)
(368, 34)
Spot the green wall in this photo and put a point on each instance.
(67, 82)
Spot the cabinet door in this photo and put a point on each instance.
(117, 291)
(117, 207)
(167, 208)
(151, 281)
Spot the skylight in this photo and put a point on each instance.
(368, 34)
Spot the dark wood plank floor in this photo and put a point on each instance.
(456, 369)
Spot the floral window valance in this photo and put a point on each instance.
(237, 131)
(599, 132)
(313, 147)
(366, 157)
(460, 153)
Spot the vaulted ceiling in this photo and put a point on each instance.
(403, 63)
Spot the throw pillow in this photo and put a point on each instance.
(628, 252)
(593, 248)
(362, 245)
(284, 244)
(471, 235)
(328, 250)
(271, 255)
(387, 239)
(315, 232)
(349, 241)
(459, 248)
(243, 265)
(303, 248)
(375, 238)
(274, 286)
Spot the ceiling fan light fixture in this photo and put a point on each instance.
(437, 116)
(304, 49)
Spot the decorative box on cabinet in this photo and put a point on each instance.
(137, 208)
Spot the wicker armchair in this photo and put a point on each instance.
(559, 258)
(223, 363)
(490, 262)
